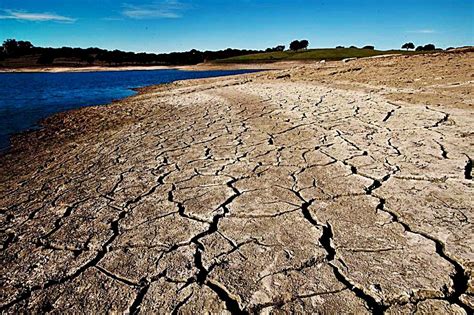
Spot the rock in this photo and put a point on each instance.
(348, 59)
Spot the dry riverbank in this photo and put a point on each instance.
(79, 69)
(199, 67)
(331, 188)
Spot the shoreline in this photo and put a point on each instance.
(80, 69)
(44, 123)
(296, 181)
(198, 67)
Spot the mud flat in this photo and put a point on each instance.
(332, 188)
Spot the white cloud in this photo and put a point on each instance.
(37, 17)
(426, 31)
(112, 19)
(168, 9)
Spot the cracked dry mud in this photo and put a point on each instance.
(336, 188)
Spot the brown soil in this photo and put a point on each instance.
(325, 187)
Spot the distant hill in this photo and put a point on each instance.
(311, 54)
(23, 54)
(20, 54)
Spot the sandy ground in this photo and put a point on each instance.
(329, 188)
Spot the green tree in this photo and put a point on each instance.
(304, 44)
(10, 47)
(295, 45)
(408, 46)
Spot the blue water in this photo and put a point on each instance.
(26, 98)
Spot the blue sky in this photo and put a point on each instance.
(177, 25)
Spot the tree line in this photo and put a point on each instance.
(407, 46)
(12, 48)
(410, 45)
(355, 47)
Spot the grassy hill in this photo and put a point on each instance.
(311, 54)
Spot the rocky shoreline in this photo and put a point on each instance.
(325, 187)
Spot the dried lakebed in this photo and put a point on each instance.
(244, 195)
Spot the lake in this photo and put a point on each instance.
(26, 98)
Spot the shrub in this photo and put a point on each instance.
(46, 58)
(429, 47)
(88, 58)
(280, 48)
(277, 48)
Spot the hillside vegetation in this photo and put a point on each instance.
(311, 54)
(18, 54)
